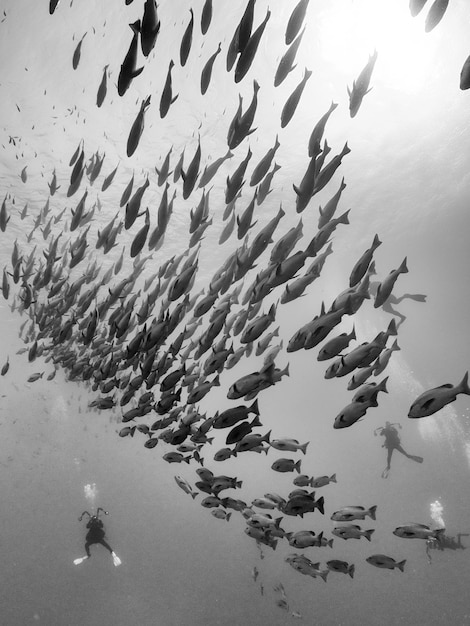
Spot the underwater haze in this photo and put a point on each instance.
(87, 319)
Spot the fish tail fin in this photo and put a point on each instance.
(238, 483)
(256, 421)
(376, 243)
(303, 447)
(228, 516)
(351, 570)
(403, 269)
(392, 328)
(383, 385)
(194, 494)
(187, 459)
(333, 478)
(344, 218)
(401, 565)
(324, 574)
(329, 543)
(254, 407)
(371, 512)
(463, 385)
(368, 533)
(297, 190)
(320, 505)
(297, 466)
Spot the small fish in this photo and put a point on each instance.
(34, 377)
(77, 53)
(103, 88)
(5, 367)
(363, 263)
(167, 98)
(221, 514)
(386, 562)
(435, 399)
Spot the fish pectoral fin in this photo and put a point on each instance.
(136, 72)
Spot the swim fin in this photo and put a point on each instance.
(116, 560)
(78, 561)
(418, 459)
(385, 473)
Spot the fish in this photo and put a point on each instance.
(362, 265)
(334, 346)
(349, 513)
(321, 481)
(52, 6)
(167, 97)
(435, 399)
(207, 70)
(314, 142)
(77, 53)
(416, 6)
(5, 367)
(186, 40)
(435, 14)
(185, 486)
(465, 75)
(4, 217)
(191, 174)
(221, 514)
(360, 87)
(385, 287)
(206, 16)
(291, 445)
(294, 23)
(386, 562)
(34, 377)
(292, 101)
(286, 465)
(137, 128)
(417, 531)
(129, 69)
(241, 125)
(247, 53)
(352, 531)
(150, 27)
(351, 413)
(340, 566)
(285, 65)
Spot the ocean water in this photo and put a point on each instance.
(407, 180)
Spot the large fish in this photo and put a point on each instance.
(167, 97)
(435, 399)
(129, 69)
(292, 101)
(295, 21)
(248, 52)
(150, 27)
(137, 128)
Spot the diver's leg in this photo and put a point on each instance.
(389, 457)
(418, 459)
(106, 545)
(87, 548)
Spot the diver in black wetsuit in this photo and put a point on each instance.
(392, 442)
(96, 534)
(444, 542)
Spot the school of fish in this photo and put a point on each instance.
(151, 347)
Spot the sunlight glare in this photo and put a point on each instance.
(351, 31)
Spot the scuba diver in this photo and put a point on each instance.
(96, 534)
(392, 442)
(444, 542)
